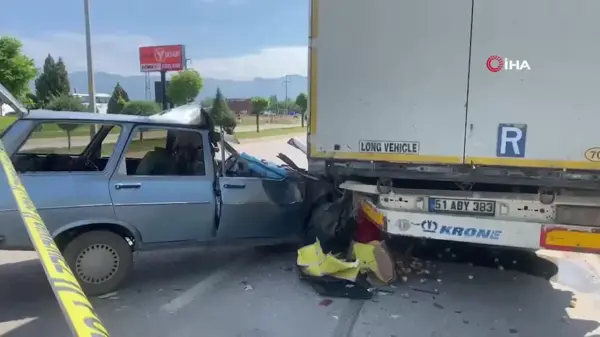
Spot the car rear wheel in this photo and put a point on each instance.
(100, 260)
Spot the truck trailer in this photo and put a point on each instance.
(466, 120)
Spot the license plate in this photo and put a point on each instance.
(461, 206)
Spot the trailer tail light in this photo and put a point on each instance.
(373, 215)
(571, 238)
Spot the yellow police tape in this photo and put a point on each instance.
(78, 311)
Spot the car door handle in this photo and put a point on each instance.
(236, 186)
(121, 186)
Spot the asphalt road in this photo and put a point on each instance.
(228, 292)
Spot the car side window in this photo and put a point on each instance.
(65, 147)
(160, 151)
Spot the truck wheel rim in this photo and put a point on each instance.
(97, 263)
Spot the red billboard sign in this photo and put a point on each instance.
(159, 58)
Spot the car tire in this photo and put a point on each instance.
(112, 250)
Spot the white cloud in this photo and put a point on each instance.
(118, 54)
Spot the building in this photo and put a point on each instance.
(241, 106)
(7, 110)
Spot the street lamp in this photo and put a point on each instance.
(285, 83)
(90, 70)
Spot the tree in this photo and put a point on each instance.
(221, 114)
(63, 87)
(302, 103)
(141, 108)
(259, 104)
(273, 104)
(207, 102)
(53, 81)
(184, 87)
(16, 69)
(42, 83)
(118, 99)
(66, 103)
(31, 102)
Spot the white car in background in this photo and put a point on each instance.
(101, 101)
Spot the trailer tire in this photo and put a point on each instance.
(100, 260)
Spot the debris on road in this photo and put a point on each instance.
(247, 286)
(326, 302)
(366, 261)
(429, 291)
(110, 296)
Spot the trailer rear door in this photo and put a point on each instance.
(388, 79)
(541, 108)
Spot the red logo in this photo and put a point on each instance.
(495, 63)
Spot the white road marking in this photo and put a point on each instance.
(6, 327)
(207, 284)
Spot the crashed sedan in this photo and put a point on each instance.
(143, 183)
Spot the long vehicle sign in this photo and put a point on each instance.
(76, 308)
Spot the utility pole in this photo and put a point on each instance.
(285, 83)
(90, 69)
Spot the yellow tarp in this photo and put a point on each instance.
(315, 262)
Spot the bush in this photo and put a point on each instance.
(141, 108)
(66, 103)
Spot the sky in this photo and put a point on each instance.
(225, 39)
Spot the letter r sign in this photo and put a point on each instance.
(511, 140)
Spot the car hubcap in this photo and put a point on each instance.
(97, 263)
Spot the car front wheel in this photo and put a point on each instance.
(100, 260)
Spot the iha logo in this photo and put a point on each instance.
(496, 63)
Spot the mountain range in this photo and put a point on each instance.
(136, 86)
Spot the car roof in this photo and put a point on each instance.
(187, 115)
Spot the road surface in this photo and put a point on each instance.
(237, 292)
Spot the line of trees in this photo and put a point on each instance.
(52, 90)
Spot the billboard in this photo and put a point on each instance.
(159, 58)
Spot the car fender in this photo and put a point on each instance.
(136, 233)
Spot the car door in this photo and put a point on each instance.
(67, 188)
(163, 203)
(259, 207)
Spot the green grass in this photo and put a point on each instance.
(137, 146)
(6, 121)
(251, 120)
(53, 131)
(50, 130)
(269, 132)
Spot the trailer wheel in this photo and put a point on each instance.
(100, 260)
